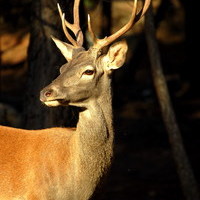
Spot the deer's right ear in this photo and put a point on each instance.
(67, 50)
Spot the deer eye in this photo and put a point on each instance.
(88, 72)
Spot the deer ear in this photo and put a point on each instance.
(116, 55)
(67, 50)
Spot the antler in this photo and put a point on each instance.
(100, 43)
(75, 27)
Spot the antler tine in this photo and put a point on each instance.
(68, 36)
(76, 12)
(75, 27)
(94, 39)
(143, 10)
(100, 43)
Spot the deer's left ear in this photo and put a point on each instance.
(116, 55)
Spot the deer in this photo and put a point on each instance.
(69, 163)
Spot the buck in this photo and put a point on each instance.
(68, 163)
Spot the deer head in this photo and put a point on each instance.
(87, 72)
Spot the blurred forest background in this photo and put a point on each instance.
(143, 167)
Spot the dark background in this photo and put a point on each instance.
(143, 167)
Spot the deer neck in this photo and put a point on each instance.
(95, 124)
(94, 142)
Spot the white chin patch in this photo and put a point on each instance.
(52, 103)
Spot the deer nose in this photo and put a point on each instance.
(47, 94)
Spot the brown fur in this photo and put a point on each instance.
(31, 161)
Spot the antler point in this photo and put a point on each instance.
(58, 5)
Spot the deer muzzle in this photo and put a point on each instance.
(49, 96)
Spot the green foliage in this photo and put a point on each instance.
(90, 4)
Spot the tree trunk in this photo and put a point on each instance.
(106, 19)
(44, 62)
(186, 176)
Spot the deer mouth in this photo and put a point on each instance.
(57, 102)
